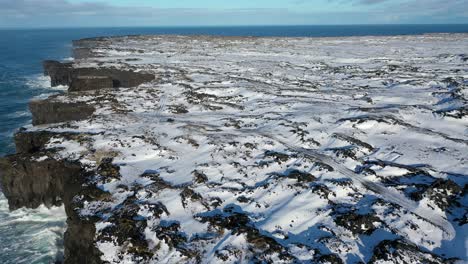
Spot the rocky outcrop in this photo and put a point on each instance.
(218, 164)
(33, 177)
(50, 111)
(66, 74)
(87, 83)
(32, 142)
(29, 181)
(120, 78)
(79, 242)
(60, 73)
(399, 251)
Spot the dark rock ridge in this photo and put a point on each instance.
(399, 251)
(50, 182)
(49, 111)
(28, 183)
(59, 72)
(66, 74)
(33, 177)
(32, 142)
(83, 83)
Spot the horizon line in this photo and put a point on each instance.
(232, 26)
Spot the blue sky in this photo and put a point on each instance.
(77, 13)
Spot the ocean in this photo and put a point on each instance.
(35, 236)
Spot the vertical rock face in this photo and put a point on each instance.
(29, 183)
(32, 142)
(60, 73)
(32, 178)
(50, 111)
(96, 78)
(86, 83)
(79, 243)
(120, 78)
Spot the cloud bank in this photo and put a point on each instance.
(63, 13)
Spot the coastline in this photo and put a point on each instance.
(54, 147)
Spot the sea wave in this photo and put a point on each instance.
(31, 235)
(40, 81)
(18, 114)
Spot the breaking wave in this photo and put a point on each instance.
(31, 235)
(40, 81)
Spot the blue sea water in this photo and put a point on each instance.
(35, 236)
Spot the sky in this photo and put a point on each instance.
(106, 13)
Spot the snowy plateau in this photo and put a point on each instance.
(270, 150)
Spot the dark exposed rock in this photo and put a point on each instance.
(108, 170)
(443, 193)
(300, 176)
(358, 224)
(120, 78)
(239, 223)
(49, 111)
(344, 152)
(35, 141)
(169, 232)
(399, 251)
(277, 156)
(87, 83)
(178, 109)
(188, 194)
(29, 183)
(60, 73)
(79, 243)
(353, 141)
(66, 74)
(199, 177)
(454, 113)
(329, 259)
(322, 190)
(31, 178)
(31, 142)
(127, 228)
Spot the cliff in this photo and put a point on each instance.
(172, 149)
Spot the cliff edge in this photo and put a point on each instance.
(177, 149)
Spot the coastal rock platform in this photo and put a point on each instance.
(199, 149)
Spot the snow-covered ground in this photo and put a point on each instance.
(278, 150)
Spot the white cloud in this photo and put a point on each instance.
(63, 13)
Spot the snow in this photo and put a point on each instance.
(244, 97)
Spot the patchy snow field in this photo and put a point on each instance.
(280, 150)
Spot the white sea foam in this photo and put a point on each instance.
(40, 81)
(18, 114)
(31, 235)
